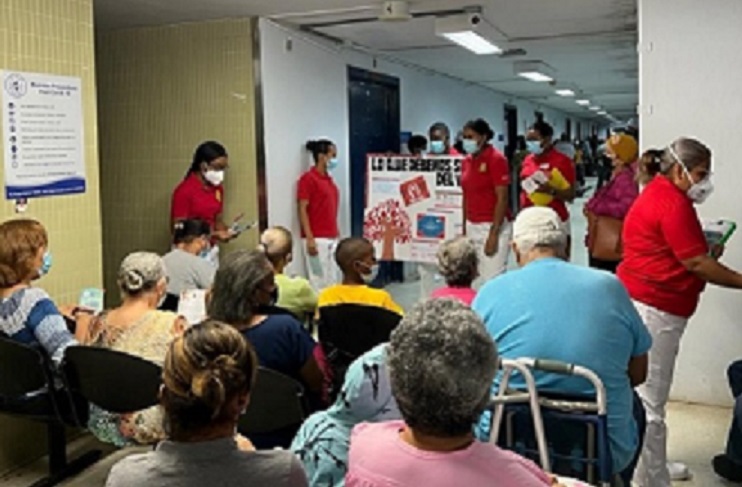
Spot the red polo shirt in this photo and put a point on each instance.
(661, 230)
(480, 175)
(547, 162)
(323, 197)
(194, 198)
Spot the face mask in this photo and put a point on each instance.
(46, 264)
(700, 191)
(534, 147)
(470, 146)
(437, 146)
(332, 164)
(373, 271)
(214, 177)
(204, 254)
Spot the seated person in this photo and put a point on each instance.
(551, 309)
(458, 263)
(441, 363)
(208, 376)
(137, 328)
(186, 268)
(728, 465)
(28, 313)
(244, 284)
(356, 258)
(322, 442)
(295, 294)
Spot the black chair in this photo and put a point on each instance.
(277, 409)
(170, 303)
(114, 381)
(28, 390)
(347, 331)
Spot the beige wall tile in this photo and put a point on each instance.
(55, 36)
(163, 91)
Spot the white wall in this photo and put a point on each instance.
(305, 95)
(689, 85)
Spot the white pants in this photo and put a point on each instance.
(666, 331)
(490, 267)
(430, 279)
(322, 270)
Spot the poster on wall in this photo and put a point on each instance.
(42, 135)
(412, 205)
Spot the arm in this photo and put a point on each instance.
(503, 193)
(566, 195)
(304, 220)
(638, 367)
(710, 270)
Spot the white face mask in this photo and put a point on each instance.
(700, 191)
(371, 276)
(214, 177)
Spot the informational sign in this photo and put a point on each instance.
(413, 204)
(42, 135)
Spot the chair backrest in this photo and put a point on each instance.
(276, 402)
(170, 303)
(114, 381)
(23, 369)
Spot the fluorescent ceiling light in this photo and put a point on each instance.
(537, 71)
(583, 103)
(472, 41)
(595, 108)
(470, 31)
(565, 92)
(602, 112)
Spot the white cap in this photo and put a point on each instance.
(538, 226)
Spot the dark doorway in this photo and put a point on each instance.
(579, 131)
(374, 117)
(569, 128)
(511, 148)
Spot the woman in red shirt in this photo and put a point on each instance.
(665, 268)
(485, 180)
(318, 198)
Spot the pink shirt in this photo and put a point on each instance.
(379, 458)
(464, 294)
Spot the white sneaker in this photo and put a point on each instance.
(678, 471)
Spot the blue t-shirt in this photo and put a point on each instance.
(281, 344)
(551, 309)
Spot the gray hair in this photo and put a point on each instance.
(442, 363)
(140, 272)
(539, 227)
(458, 261)
(233, 295)
(689, 152)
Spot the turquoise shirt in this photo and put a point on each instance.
(551, 309)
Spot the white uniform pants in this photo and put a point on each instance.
(490, 267)
(322, 270)
(666, 331)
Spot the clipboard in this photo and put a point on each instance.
(718, 232)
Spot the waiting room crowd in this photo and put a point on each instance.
(402, 399)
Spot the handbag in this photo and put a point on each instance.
(604, 237)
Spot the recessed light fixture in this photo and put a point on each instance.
(537, 71)
(602, 112)
(565, 92)
(583, 103)
(595, 108)
(471, 32)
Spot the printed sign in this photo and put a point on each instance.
(412, 205)
(42, 135)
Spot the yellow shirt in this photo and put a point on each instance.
(358, 294)
(296, 295)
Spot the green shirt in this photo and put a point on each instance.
(296, 295)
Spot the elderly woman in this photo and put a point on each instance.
(208, 376)
(244, 285)
(137, 328)
(458, 263)
(28, 313)
(442, 363)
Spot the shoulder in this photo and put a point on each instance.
(307, 177)
(494, 155)
(38, 302)
(283, 321)
(186, 185)
(132, 470)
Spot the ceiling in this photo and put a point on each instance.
(590, 44)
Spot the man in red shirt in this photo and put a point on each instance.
(543, 157)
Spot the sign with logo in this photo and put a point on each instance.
(42, 130)
(413, 204)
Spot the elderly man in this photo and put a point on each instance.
(551, 309)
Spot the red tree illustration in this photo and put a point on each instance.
(388, 223)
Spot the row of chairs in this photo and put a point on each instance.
(32, 388)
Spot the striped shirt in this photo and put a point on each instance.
(30, 316)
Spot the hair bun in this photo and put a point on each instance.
(208, 387)
(311, 145)
(133, 281)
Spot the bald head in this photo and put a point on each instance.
(352, 250)
(277, 244)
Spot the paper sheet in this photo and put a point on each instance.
(192, 306)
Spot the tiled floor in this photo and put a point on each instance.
(697, 433)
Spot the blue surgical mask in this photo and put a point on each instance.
(332, 164)
(46, 264)
(534, 147)
(470, 146)
(437, 147)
